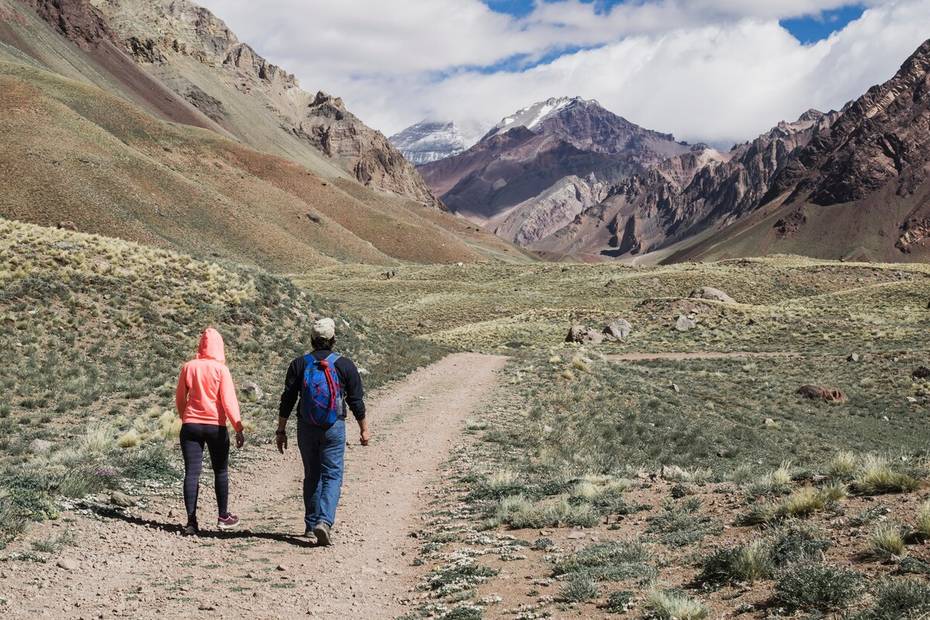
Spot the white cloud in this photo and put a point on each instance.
(719, 70)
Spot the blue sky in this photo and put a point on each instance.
(806, 29)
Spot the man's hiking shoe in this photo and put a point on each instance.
(190, 529)
(321, 531)
(229, 522)
(310, 536)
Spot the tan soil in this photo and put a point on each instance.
(139, 566)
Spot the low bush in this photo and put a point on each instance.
(579, 588)
(899, 599)
(668, 605)
(611, 561)
(819, 587)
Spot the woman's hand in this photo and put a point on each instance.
(280, 439)
(240, 439)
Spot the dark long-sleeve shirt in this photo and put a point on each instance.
(349, 378)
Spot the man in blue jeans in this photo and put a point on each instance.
(322, 446)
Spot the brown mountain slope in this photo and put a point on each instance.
(858, 189)
(74, 152)
(195, 54)
(179, 62)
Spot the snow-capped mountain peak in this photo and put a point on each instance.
(533, 115)
(429, 141)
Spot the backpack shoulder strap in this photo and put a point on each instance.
(332, 357)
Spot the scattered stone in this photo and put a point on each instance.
(817, 392)
(118, 498)
(714, 294)
(769, 422)
(618, 330)
(67, 225)
(280, 568)
(853, 357)
(921, 372)
(583, 335)
(911, 400)
(389, 275)
(575, 535)
(685, 323)
(67, 564)
(675, 388)
(252, 391)
(40, 446)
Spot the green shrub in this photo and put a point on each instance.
(681, 525)
(748, 562)
(610, 561)
(579, 588)
(619, 602)
(817, 587)
(904, 599)
(796, 542)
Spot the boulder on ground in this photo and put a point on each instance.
(118, 498)
(252, 391)
(818, 392)
(714, 294)
(685, 323)
(618, 329)
(921, 372)
(67, 225)
(583, 335)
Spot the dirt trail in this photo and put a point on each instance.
(697, 355)
(138, 566)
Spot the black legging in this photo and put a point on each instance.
(193, 438)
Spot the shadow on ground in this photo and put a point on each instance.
(107, 512)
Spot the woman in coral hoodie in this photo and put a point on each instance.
(206, 399)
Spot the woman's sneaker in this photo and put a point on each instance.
(190, 529)
(228, 522)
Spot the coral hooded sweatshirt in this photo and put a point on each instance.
(206, 393)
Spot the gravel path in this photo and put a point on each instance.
(138, 565)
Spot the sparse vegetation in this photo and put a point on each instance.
(96, 330)
(905, 599)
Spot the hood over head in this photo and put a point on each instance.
(211, 346)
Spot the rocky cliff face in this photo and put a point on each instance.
(169, 35)
(685, 194)
(858, 188)
(558, 155)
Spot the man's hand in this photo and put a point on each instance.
(365, 436)
(280, 440)
(240, 439)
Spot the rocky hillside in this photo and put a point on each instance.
(685, 195)
(191, 50)
(180, 62)
(540, 167)
(859, 188)
(429, 141)
(87, 145)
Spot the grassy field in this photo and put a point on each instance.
(95, 331)
(607, 483)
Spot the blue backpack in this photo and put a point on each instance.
(321, 398)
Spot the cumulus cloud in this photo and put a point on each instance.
(713, 70)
